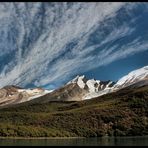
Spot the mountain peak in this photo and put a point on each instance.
(133, 77)
(92, 86)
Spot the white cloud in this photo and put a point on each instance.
(58, 26)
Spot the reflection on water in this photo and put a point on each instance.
(105, 141)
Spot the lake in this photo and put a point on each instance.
(105, 141)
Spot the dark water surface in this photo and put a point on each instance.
(105, 141)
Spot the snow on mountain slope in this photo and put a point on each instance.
(14, 95)
(34, 93)
(40, 94)
(97, 88)
(133, 77)
(80, 80)
(94, 87)
(91, 95)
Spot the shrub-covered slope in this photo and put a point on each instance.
(122, 113)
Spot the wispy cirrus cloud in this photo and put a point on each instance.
(50, 42)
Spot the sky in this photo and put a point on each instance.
(48, 44)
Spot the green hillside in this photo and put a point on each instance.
(124, 113)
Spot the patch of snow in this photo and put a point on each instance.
(41, 94)
(21, 90)
(31, 91)
(34, 93)
(80, 82)
(98, 81)
(107, 86)
(91, 85)
(74, 80)
(133, 76)
(48, 91)
(96, 94)
(102, 86)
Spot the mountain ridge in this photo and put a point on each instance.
(78, 89)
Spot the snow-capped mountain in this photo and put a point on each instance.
(133, 77)
(78, 89)
(94, 87)
(97, 88)
(14, 95)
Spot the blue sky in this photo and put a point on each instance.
(48, 44)
(117, 69)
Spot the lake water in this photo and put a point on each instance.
(105, 141)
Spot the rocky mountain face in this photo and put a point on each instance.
(69, 92)
(93, 87)
(78, 89)
(14, 95)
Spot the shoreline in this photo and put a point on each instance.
(40, 137)
(31, 138)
